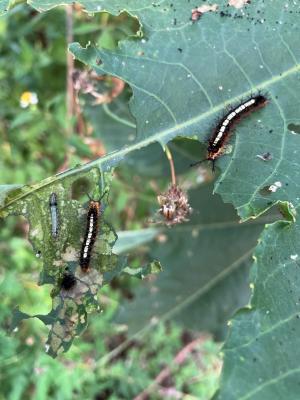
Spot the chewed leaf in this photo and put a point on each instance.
(151, 268)
(57, 216)
(4, 191)
(70, 311)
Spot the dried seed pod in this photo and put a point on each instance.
(174, 205)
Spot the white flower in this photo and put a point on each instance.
(28, 98)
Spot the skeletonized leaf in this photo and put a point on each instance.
(59, 250)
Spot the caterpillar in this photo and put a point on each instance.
(54, 215)
(225, 127)
(92, 223)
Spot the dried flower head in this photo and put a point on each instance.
(83, 81)
(89, 82)
(174, 205)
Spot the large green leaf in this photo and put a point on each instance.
(113, 124)
(221, 60)
(174, 93)
(205, 269)
(262, 350)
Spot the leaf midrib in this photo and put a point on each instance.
(158, 137)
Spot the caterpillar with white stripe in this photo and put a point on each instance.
(225, 127)
(93, 217)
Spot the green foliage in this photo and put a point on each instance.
(92, 367)
(68, 316)
(184, 102)
(162, 111)
(36, 54)
(268, 330)
(28, 373)
(205, 277)
(182, 76)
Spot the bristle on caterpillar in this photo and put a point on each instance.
(54, 215)
(225, 127)
(92, 222)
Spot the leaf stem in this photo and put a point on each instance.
(170, 158)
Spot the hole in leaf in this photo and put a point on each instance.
(294, 128)
(80, 187)
(265, 191)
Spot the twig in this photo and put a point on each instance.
(72, 100)
(170, 158)
(166, 372)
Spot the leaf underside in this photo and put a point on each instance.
(205, 276)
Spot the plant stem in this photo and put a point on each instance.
(70, 70)
(170, 158)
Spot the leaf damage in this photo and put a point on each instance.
(74, 293)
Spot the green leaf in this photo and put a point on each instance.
(205, 269)
(129, 240)
(263, 338)
(60, 254)
(68, 317)
(190, 96)
(3, 6)
(142, 272)
(4, 190)
(174, 93)
(225, 58)
(113, 124)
